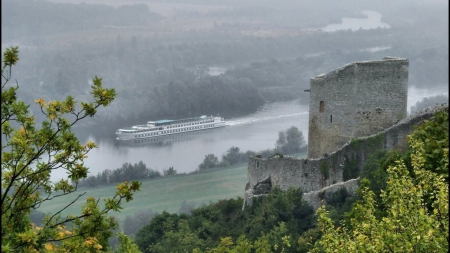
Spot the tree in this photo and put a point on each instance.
(29, 155)
(290, 141)
(211, 161)
(126, 245)
(281, 139)
(232, 156)
(428, 102)
(169, 172)
(415, 201)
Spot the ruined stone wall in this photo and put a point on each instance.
(359, 99)
(317, 198)
(315, 174)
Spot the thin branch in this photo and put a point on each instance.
(53, 216)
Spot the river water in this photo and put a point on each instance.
(372, 21)
(256, 132)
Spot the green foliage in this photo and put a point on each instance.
(276, 155)
(126, 244)
(351, 169)
(127, 172)
(375, 169)
(273, 220)
(211, 161)
(408, 226)
(430, 142)
(31, 153)
(151, 234)
(169, 172)
(375, 143)
(324, 168)
(232, 156)
(133, 223)
(356, 143)
(411, 213)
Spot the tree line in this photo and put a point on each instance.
(127, 172)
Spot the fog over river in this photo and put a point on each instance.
(256, 132)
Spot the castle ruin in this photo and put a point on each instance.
(354, 111)
(359, 99)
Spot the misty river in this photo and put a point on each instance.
(256, 132)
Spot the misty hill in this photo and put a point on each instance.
(40, 18)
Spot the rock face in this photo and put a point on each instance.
(327, 173)
(359, 99)
(262, 187)
(317, 198)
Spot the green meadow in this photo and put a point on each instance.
(167, 193)
(164, 194)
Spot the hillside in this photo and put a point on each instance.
(166, 193)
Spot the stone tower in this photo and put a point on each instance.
(358, 99)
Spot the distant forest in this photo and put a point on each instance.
(163, 72)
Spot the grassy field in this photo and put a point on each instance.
(166, 193)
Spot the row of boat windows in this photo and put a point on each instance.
(191, 124)
(173, 131)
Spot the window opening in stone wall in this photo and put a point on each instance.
(331, 118)
(257, 164)
(322, 106)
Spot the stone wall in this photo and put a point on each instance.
(359, 99)
(315, 174)
(318, 198)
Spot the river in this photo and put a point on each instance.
(256, 131)
(372, 21)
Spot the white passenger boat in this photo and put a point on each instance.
(168, 127)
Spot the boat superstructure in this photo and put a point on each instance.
(168, 127)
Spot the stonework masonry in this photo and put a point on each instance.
(359, 99)
(327, 173)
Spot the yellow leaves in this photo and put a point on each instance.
(40, 102)
(91, 243)
(49, 246)
(226, 241)
(90, 145)
(61, 234)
